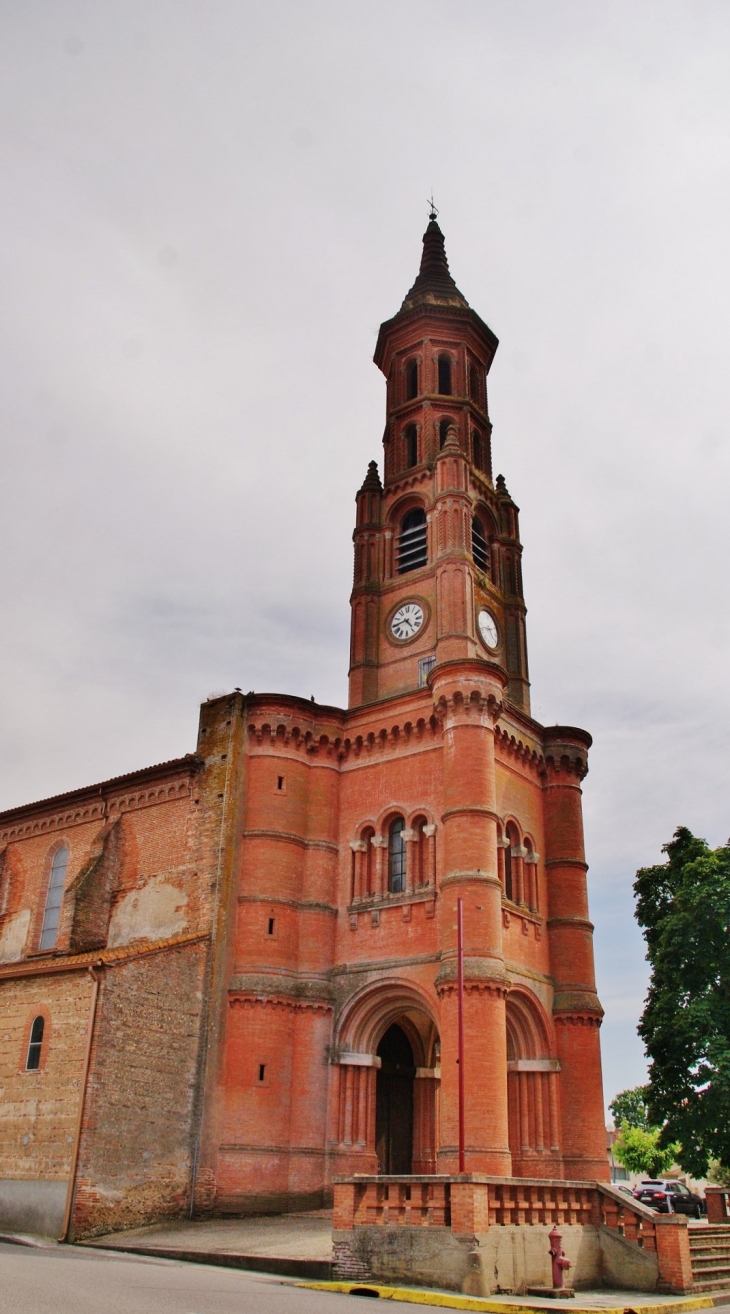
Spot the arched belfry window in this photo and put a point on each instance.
(445, 375)
(35, 1044)
(411, 444)
(412, 379)
(473, 382)
(444, 426)
(479, 545)
(54, 899)
(412, 544)
(396, 857)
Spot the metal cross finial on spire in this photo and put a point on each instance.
(432, 208)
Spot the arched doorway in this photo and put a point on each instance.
(394, 1102)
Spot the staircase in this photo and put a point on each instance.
(709, 1249)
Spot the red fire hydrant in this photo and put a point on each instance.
(557, 1255)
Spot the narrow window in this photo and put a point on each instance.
(508, 871)
(54, 899)
(425, 667)
(412, 545)
(280, 783)
(396, 857)
(473, 382)
(444, 429)
(271, 926)
(411, 441)
(479, 545)
(412, 379)
(262, 1071)
(33, 1060)
(476, 449)
(445, 375)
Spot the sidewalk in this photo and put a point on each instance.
(295, 1245)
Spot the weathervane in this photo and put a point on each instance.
(433, 210)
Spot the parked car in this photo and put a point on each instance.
(669, 1198)
(623, 1186)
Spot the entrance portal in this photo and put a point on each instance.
(394, 1103)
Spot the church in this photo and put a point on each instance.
(228, 979)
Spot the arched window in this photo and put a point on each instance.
(479, 545)
(412, 379)
(476, 449)
(411, 443)
(445, 375)
(54, 899)
(444, 429)
(412, 545)
(508, 872)
(396, 857)
(473, 381)
(33, 1057)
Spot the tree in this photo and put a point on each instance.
(639, 1150)
(630, 1106)
(683, 906)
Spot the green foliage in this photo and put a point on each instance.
(684, 907)
(630, 1106)
(639, 1150)
(718, 1174)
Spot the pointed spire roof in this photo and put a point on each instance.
(434, 293)
(372, 479)
(434, 285)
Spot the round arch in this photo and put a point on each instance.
(528, 1030)
(367, 1016)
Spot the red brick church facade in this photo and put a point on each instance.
(256, 943)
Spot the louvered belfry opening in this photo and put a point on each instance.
(412, 545)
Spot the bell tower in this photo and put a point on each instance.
(437, 551)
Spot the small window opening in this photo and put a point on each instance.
(479, 545)
(411, 439)
(33, 1059)
(508, 871)
(476, 448)
(473, 382)
(262, 1071)
(280, 782)
(412, 379)
(396, 857)
(444, 429)
(445, 375)
(412, 544)
(271, 926)
(425, 666)
(54, 899)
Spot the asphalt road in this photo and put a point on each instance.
(70, 1280)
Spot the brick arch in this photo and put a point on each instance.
(409, 502)
(367, 1016)
(528, 1030)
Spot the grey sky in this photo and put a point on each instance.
(208, 209)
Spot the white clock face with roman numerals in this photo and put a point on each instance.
(407, 621)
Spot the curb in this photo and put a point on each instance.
(450, 1300)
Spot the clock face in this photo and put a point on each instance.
(488, 628)
(407, 621)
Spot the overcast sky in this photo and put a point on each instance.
(208, 210)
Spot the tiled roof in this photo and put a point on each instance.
(50, 964)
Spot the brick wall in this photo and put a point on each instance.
(38, 1110)
(136, 1144)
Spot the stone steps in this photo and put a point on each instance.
(709, 1249)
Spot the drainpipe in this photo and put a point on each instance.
(94, 970)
